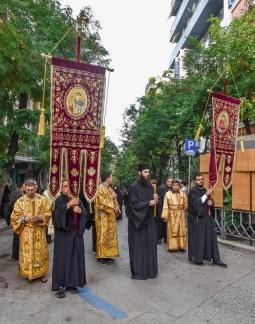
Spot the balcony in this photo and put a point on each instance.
(175, 5)
(197, 25)
(185, 11)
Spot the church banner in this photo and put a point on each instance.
(77, 91)
(225, 118)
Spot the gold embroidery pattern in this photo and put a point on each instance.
(92, 157)
(33, 249)
(54, 169)
(74, 156)
(55, 154)
(91, 171)
(75, 187)
(91, 186)
(74, 172)
(106, 225)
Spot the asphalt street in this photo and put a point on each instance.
(182, 293)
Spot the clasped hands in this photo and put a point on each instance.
(74, 202)
(154, 201)
(27, 219)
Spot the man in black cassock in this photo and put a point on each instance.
(161, 225)
(142, 227)
(202, 238)
(69, 220)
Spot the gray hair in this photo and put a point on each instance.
(30, 182)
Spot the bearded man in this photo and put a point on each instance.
(142, 227)
(201, 225)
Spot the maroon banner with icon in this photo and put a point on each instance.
(77, 92)
(225, 118)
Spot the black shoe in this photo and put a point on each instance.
(182, 250)
(159, 241)
(73, 290)
(60, 293)
(110, 260)
(220, 264)
(103, 261)
(199, 263)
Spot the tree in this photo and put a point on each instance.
(43, 23)
(109, 155)
(157, 124)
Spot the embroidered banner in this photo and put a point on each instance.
(225, 119)
(77, 91)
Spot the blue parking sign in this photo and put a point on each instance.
(190, 147)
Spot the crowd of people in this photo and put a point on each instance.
(170, 213)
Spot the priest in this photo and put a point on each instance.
(69, 220)
(174, 214)
(30, 217)
(142, 227)
(202, 240)
(106, 212)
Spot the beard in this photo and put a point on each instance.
(144, 181)
(200, 186)
(175, 190)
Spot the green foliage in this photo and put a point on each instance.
(27, 29)
(109, 155)
(155, 127)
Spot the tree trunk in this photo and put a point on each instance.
(247, 126)
(14, 142)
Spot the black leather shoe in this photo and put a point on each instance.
(73, 290)
(220, 264)
(60, 293)
(182, 250)
(201, 263)
(110, 260)
(103, 261)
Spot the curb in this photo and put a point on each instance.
(237, 245)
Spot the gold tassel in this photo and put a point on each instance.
(41, 127)
(102, 137)
(198, 132)
(242, 145)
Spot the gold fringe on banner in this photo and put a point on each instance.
(102, 137)
(41, 127)
(200, 127)
(242, 144)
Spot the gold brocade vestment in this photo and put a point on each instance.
(106, 211)
(173, 212)
(33, 248)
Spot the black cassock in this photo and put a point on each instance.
(142, 232)
(201, 228)
(68, 259)
(161, 225)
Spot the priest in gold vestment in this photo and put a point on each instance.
(30, 217)
(106, 212)
(175, 205)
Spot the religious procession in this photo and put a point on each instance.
(139, 214)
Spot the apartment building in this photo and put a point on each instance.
(190, 18)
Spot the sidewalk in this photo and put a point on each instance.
(182, 293)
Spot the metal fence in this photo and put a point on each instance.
(235, 223)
